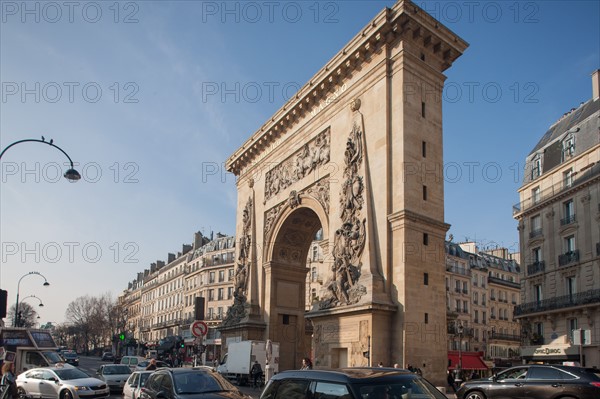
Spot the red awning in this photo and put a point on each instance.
(470, 360)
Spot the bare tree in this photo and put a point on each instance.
(28, 317)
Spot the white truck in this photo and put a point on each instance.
(240, 357)
(28, 348)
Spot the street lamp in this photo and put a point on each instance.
(46, 283)
(71, 174)
(459, 329)
(18, 316)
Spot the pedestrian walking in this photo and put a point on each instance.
(451, 382)
(9, 386)
(256, 373)
(151, 365)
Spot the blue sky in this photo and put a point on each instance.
(148, 97)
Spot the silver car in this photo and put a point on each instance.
(60, 382)
(114, 375)
(135, 383)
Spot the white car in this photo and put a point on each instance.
(114, 375)
(60, 382)
(134, 384)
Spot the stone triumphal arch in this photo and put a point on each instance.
(357, 153)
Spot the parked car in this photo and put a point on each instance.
(108, 357)
(114, 375)
(189, 383)
(134, 384)
(142, 365)
(350, 383)
(72, 358)
(131, 361)
(534, 381)
(60, 382)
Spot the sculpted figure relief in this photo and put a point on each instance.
(299, 165)
(343, 287)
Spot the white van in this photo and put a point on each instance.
(152, 354)
(132, 361)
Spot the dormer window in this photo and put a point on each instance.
(536, 168)
(568, 147)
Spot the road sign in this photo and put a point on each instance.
(199, 328)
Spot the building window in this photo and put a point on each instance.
(426, 318)
(221, 275)
(536, 254)
(568, 147)
(314, 274)
(211, 277)
(536, 226)
(476, 298)
(424, 149)
(568, 178)
(571, 327)
(537, 293)
(229, 292)
(457, 306)
(569, 213)
(571, 287)
(230, 277)
(536, 168)
(211, 295)
(425, 278)
(425, 239)
(536, 195)
(569, 244)
(424, 193)
(423, 109)
(315, 253)
(220, 293)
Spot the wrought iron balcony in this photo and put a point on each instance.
(568, 258)
(536, 267)
(505, 283)
(565, 301)
(505, 337)
(535, 233)
(567, 220)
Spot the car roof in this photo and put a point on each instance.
(354, 374)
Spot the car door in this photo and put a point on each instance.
(32, 382)
(48, 384)
(544, 382)
(509, 384)
(130, 386)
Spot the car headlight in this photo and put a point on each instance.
(81, 388)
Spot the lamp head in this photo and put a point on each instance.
(46, 284)
(72, 175)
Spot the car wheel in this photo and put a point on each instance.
(66, 394)
(22, 393)
(475, 395)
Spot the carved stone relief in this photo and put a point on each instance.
(349, 240)
(299, 165)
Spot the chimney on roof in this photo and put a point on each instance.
(185, 249)
(160, 264)
(596, 84)
(170, 257)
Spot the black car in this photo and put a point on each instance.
(534, 381)
(108, 357)
(189, 383)
(71, 358)
(350, 383)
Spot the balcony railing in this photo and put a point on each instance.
(568, 257)
(536, 267)
(458, 270)
(506, 283)
(551, 192)
(465, 291)
(505, 337)
(535, 233)
(565, 301)
(567, 220)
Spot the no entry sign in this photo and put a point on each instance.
(199, 328)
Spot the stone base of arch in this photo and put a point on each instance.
(351, 336)
(243, 331)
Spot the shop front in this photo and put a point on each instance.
(551, 354)
(467, 365)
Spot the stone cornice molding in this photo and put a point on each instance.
(404, 20)
(397, 219)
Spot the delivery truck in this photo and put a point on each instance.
(240, 357)
(28, 348)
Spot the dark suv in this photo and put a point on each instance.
(189, 383)
(350, 383)
(534, 381)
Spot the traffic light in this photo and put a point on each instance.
(122, 337)
(182, 345)
(3, 301)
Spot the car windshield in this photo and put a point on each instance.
(201, 382)
(116, 370)
(70, 374)
(144, 378)
(410, 388)
(53, 357)
(70, 355)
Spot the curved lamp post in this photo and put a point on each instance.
(46, 283)
(18, 318)
(71, 174)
